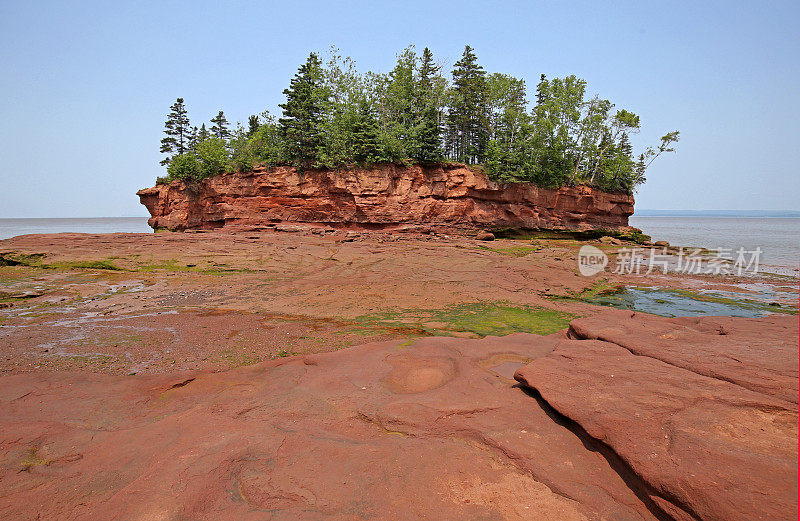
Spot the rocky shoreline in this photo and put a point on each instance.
(311, 372)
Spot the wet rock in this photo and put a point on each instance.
(661, 244)
(20, 294)
(484, 236)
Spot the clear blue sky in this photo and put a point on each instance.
(85, 86)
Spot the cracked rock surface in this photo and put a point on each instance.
(389, 430)
(711, 437)
(383, 431)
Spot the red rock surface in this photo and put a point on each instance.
(706, 447)
(380, 431)
(389, 196)
(163, 389)
(750, 354)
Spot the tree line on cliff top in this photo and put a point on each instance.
(336, 117)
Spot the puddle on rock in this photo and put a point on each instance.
(681, 303)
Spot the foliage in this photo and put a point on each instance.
(300, 125)
(429, 95)
(252, 125)
(213, 157)
(185, 167)
(334, 116)
(267, 142)
(242, 156)
(177, 130)
(467, 114)
(219, 129)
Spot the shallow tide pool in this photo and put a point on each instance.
(679, 303)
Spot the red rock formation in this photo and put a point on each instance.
(389, 196)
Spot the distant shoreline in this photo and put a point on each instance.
(637, 213)
(716, 213)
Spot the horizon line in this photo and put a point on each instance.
(672, 212)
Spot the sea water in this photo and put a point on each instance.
(13, 227)
(777, 237)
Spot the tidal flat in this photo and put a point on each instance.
(311, 374)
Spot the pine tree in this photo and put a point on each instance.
(302, 112)
(540, 93)
(203, 134)
(400, 105)
(366, 143)
(428, 136)
(252, 123)
(177, 130)
(192, 141)
(220, 127)
(467, 119)
(427, 70)
(625, 145)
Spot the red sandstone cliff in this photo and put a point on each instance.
(387, 196)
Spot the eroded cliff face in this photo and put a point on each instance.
(385, 197)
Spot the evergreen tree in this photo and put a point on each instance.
(467, 121)
(399, 104)
(202, 134)
(335, 116)
(192, 141)
(252, 125)
(219, 129)
(366, 143)
(178, 131)
(428, 69)
(540, 95)
(428, 133)
(302, 112)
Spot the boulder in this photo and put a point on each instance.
(610, 240)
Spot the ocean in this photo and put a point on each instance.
(778, 237)
(13, 227)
